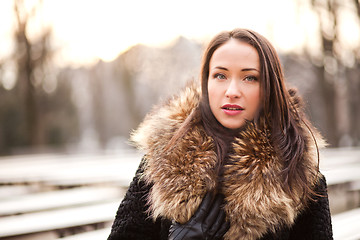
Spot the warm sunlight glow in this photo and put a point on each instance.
(85, 31)
(88, 30)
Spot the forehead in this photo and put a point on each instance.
(235, 53)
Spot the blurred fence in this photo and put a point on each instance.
(51, 196)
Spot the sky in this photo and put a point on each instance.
(88, 30)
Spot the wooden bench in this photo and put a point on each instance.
(100, 234)
(337, 157)
(55, 220)
(340, 165)
(341, 175)
(346, 225)
(15, 190)
(39, 200)
(58, 199)
(341, 168)
(61, 171)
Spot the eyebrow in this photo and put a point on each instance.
(249, 69)
(243, 70)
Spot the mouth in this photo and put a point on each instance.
(232, 107)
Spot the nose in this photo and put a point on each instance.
(233, 90)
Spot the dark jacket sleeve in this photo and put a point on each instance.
(315, 222)
(132, 221)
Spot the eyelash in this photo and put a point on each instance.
(251, 77)
(217, 75)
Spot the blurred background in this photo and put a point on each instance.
(76, 76)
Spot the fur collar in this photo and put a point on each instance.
(255, 200)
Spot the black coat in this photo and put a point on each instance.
(133, 223)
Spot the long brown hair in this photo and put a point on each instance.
(276, 111)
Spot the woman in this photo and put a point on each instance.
(236, 160)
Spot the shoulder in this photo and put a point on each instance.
(314, 222)
(321, 185)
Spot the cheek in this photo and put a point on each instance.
(211, 94)
(255, 99)
(215, 96)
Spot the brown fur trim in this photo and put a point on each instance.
(255, 199)
(182, 176)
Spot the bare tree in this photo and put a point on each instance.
(338, 83)
(30, 56)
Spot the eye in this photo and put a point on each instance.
(251, 78)
(220, 76)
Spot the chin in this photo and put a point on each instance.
(233, 126)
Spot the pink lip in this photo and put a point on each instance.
(236, 109)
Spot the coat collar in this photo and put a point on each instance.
(255, 199)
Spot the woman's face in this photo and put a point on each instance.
(234, 83)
